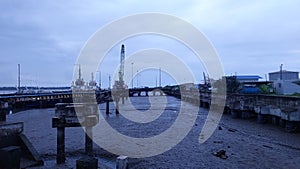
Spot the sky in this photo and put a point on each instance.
(45, 37)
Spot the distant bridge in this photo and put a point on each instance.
(44, 100)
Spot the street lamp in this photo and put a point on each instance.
(137, 78)
(109, 81)
(99, 79)
(132, 75)
(281, 71)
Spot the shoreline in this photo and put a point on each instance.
(247, 144)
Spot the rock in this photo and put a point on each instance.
(232, 130)
(220, 128)
(267, 146)
(221, 154)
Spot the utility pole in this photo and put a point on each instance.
(159, 77)
(132, 75)
(281, 71)
(204, 78)
(109, 81)
(137, 79)
(99, 79)
(19, 78)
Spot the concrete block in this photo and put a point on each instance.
(261, 119)
(3, 113)
(10, 157)
(7, 129)
(235, 114)
(87, 163)
(245, 115)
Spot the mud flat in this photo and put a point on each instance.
(241, 143)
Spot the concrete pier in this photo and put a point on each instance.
(67, 115)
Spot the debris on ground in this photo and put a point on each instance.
(267, 146)
(221, 154)
(232, 130)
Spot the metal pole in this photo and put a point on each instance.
(281, 71)
(159, 77)
(109, 81)
(19, 78)
(137, 79)
(132, 75)
(100, 79)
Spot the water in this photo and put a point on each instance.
(7, 91)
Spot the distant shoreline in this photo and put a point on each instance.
(33, 87)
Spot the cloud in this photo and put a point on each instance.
(48, 35)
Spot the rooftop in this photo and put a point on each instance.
(246, 77)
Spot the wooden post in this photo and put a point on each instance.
(117, 107)
(89, 141)
(2, 114)
(107, 106)
(60, 158)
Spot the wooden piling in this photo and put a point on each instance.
(89, 141)
(60, 158)
(107, 106)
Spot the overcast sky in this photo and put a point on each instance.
(45, 37)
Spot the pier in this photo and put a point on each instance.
(275, 109)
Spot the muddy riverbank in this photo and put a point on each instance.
(247, 144)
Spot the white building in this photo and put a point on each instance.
(286, 87)
(284, 81)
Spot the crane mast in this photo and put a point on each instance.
(121, 71)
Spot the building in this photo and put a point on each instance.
(286, 87)
(285, 82)
(247, 78)
(283, 75)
